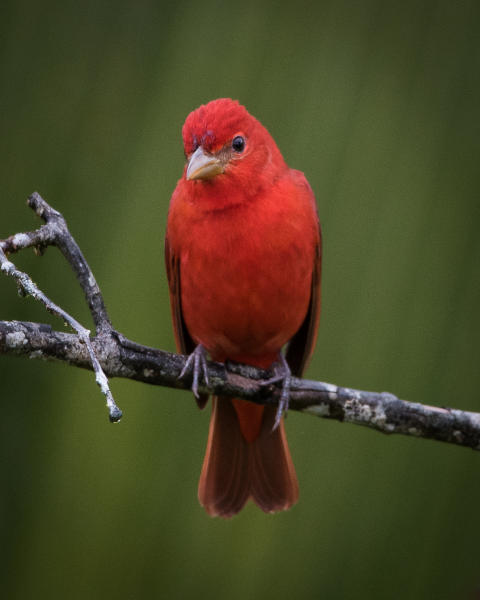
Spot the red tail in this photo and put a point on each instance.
(235, 469)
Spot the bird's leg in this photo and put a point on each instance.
(284, 374)
(197, 364)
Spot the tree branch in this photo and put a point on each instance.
(110, 354)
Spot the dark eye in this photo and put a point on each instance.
(238, 143)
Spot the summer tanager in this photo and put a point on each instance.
(243, 256)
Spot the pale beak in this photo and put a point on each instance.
(203, 166)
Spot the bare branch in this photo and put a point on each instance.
(113, 355)
(120, 357)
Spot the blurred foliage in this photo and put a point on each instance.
(377, 102)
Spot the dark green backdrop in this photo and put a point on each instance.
(378, 102)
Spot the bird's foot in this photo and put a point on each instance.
(284, 375)
(197, 365)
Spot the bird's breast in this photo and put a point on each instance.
(245, 279)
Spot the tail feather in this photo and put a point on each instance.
(225, 467)
(273, 481)
(235, 470)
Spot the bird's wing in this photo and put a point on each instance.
(183, 340)
(302, 344)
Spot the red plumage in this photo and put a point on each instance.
(243, 255)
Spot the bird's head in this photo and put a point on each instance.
(224, 144)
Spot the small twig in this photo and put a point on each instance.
(55, 232)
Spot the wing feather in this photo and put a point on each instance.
(183, 339)
(302, 344)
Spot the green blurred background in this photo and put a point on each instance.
(378, 103)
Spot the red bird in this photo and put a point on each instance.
(243, 256)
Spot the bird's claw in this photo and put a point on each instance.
(284, 375)
(197, 363)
